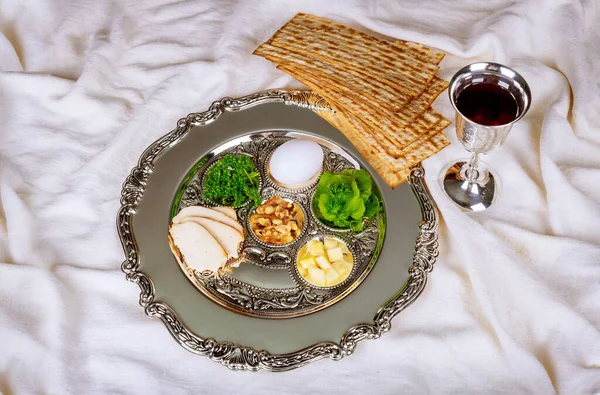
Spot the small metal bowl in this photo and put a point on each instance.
(302, 280)
(271, 245)
(303, 187)
(214, 161)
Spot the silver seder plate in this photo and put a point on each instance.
(282, 293)
(229, 315)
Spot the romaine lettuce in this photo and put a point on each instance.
(345, 199)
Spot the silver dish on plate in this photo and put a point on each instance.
(225, 320)
(280, 298)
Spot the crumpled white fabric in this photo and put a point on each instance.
(513, 305)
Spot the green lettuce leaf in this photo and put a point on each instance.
(355, 207)
(346, 199)
(372, 206)
(363, 180)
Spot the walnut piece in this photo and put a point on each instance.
(277, 221)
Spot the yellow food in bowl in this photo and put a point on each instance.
(325, 263)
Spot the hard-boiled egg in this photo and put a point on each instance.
(296, 163)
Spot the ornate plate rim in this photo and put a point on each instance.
(239, 357)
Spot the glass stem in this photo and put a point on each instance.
(472, 173)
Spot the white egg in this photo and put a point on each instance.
(296, 162)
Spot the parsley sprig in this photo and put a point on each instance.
(233, 181)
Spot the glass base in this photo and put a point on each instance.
(476, 195)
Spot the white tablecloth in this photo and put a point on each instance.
(513, 305)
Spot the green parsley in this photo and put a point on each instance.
(232, 181)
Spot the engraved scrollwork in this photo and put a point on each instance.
(258, 252)
(366, 241)
(280, 256)
(427, 241)
(257, 299)
(358, 333)
(258, 255)
(268, 192)
(298, 197)
(256, 148)
(239, 357)
(335, 163)
(301, 198)
(192, 194)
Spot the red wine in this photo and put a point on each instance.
(487, 104)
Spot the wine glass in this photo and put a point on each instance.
(488, 98)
